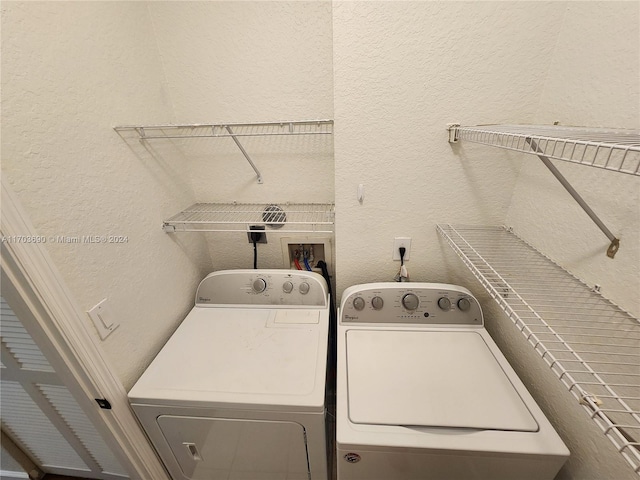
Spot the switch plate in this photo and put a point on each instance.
(401, 242)
(103, 319)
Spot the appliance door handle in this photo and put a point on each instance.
(193, 451)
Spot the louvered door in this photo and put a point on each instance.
(40, 414)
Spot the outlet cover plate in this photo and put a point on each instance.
(401, 242)
(261, 230)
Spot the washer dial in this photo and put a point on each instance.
(410, 301)
(358, 303)
(304, 288)
(377, 303)
(287, 287)
(464, 304)
(444, 303)
(259, 285)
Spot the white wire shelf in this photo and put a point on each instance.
(609, 149)
(213, 130)
(592, 345)
(239, 217)
(230, 130)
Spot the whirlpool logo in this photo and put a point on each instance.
(350, 317)
(352, 457)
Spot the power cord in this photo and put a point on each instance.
(255, 236)
(255, 255)
(403, 274)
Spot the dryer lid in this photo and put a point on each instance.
(255, 357)
(431, 379)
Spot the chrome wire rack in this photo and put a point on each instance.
(240, 217)
(592, 345)
(610, 149)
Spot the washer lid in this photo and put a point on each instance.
(430, 379)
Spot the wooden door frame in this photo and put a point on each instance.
(61, 330)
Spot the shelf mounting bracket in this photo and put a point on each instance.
(244, 152)
(452, 128)
(615, 242)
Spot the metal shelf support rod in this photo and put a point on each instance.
(615, 242)
(244, 152)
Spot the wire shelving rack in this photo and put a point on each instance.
(608, 149)
(235, 131)
(617, 150)
(240, 217)
(255, 129)
(591, 344)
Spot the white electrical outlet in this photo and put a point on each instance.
(401, 242)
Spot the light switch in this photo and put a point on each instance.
(103, 319)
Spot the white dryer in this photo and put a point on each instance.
(425, 394)
(238, 391)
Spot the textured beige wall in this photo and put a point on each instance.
(251, 62)
(402, 71)
(70, 72)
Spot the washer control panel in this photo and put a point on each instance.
(415, 303)
(263, 288)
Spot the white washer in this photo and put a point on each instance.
(425, 394)
(238, 391)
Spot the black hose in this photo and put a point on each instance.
(332, 350)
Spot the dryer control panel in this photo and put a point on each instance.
(263, 288)
(414, 303)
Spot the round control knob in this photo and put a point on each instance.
(410, 301)
(358, 303)
(287, 287)
(464, 304)
(377, 303)
(444, 303)
(304, 288)
(259, 285)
